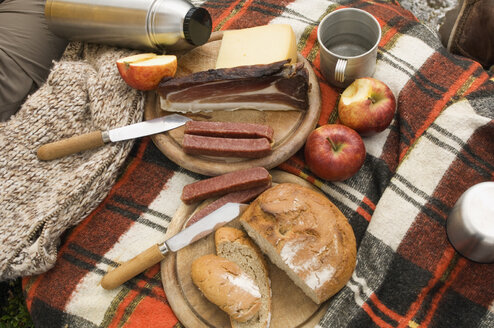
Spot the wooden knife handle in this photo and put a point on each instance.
(132, 268)
(70, 146)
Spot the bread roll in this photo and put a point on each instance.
(305, 235)
(234, 245)
(225, 284)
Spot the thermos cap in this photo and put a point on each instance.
(197, 26)
(470, 225)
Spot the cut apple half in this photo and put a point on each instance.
(145, 71)
(136, 58)
(367, 106)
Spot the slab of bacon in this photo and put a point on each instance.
(276, 86)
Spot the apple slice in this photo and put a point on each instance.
(145, 71)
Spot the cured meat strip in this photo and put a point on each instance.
(229, 129)
(275, 86)
(224, 184)
(243, 196)
(226, 147)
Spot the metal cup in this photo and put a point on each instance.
(348, 40)
(470, 225)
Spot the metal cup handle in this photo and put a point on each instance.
(339, 71)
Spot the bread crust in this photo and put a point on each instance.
(308, 233)
(225, 284)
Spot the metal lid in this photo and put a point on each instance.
(197, 26)
(470, 224)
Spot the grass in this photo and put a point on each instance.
(13, 311)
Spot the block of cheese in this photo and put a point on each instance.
(257, 45)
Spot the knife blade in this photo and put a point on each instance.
(96, 139)
(205, 226)
(157, 252)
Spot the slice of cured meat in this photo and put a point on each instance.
(243, 196)
(276, 86)
(229, 129)
(226, 147)
(225, 183)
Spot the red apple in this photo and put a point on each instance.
(367, 106)
(145, 71)
(334, 152)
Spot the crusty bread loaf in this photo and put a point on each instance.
(304, 234)
(225, 284)
(234, 245)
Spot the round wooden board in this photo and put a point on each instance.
(291, 308)
(291, 128)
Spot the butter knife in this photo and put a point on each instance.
(157, 252)
(97, 139)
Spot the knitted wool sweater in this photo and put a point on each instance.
(40, 200)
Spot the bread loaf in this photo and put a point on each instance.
(305, 235)
(225, 284)
(234, 245)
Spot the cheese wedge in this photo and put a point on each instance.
(257, 45)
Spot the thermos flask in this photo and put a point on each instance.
(138, 24)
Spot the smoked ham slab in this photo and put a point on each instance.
(276, 86)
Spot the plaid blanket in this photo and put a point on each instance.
(440, 142)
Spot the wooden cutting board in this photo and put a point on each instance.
(291, 128)
(291, 308)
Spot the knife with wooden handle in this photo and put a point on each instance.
(156, 253)
(97, 139)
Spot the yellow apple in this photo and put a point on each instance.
(145, 71)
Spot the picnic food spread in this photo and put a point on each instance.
(409, 162)
(300, 230)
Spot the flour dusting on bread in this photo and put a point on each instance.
(243, 281)
(305, 235)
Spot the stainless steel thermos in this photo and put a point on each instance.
(137, 24)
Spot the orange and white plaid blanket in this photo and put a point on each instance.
(440, 142)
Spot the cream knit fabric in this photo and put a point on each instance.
(40, 200)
